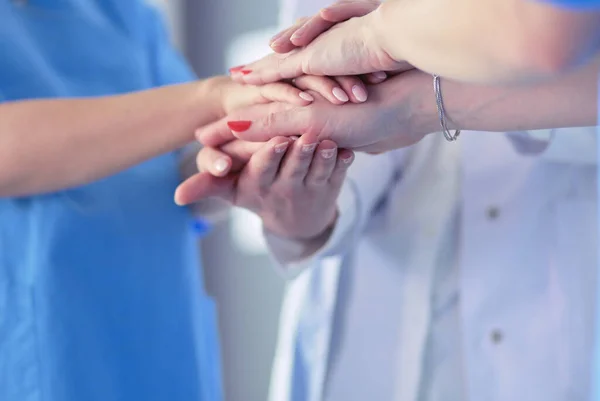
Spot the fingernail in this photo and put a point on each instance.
(380, 75)
(298, 34)
(340, 94)
(275, 37)
(280, 148)
(306, 96)
(348, 160)
(359, 93)
(245, 72)
(276, 43)
(294, 138)
(221, 165)
(327, 153)
(239, 126)
(309, 148)
(236, 69)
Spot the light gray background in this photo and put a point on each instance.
(247, 289)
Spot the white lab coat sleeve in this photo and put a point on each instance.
(563, 145)
(369, 179)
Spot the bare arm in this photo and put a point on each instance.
(48, 145)
(402, 110)
(478, 41)
(487, 41)
(570, 101)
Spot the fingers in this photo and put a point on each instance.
(337, 90)
(211, 135)
(286, 93)
(262, 126)
(298, 160)
(354, 87)
(264, 164)
(323, 164)
(342, 11)
(229, 158)
(281, 43)
(203, 185)
(216, 162)
(272, 68)
(218, 133)
(312, 28)
(343, 162)
(375, 78)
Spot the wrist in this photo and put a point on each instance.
(319, 235)
(214, 97)
(378, 24)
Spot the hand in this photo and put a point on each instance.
(397, 115)
(294, 193)
(233, 95)
(348, 48)
(307, 29)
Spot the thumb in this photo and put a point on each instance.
(204, 185)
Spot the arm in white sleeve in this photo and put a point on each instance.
(369, 179)
(562, 145)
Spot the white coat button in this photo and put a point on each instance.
(493, 213)
(496, 336)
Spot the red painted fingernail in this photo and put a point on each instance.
(236, 69)
(246, 72)
(239, 126)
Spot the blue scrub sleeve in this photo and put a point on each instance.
(170, 67)
(582, 5)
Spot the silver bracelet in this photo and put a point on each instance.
(441, 112)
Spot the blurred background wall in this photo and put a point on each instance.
(214, 34)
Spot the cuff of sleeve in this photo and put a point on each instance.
(292, 257)
(564, 145)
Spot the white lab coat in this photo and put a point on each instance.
(521, 229)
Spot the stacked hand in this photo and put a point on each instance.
(252, 156)
(340, 40)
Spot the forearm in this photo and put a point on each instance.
(48, 145)
(570, 101)
(496, 41)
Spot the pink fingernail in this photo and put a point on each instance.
(309, 148)
(280, 148)
(359, 93)
(221, 165)
(348, 160)
(306, 96)
(327, 153)
(275, 37)
(298, 34)
(380, 75)
(340, 94)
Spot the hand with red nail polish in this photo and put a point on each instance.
(394, 117)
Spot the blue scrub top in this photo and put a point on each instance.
(101, 297)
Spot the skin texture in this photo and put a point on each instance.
(49, 145)
(402, 110)
(497, 41)
(291, 184)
